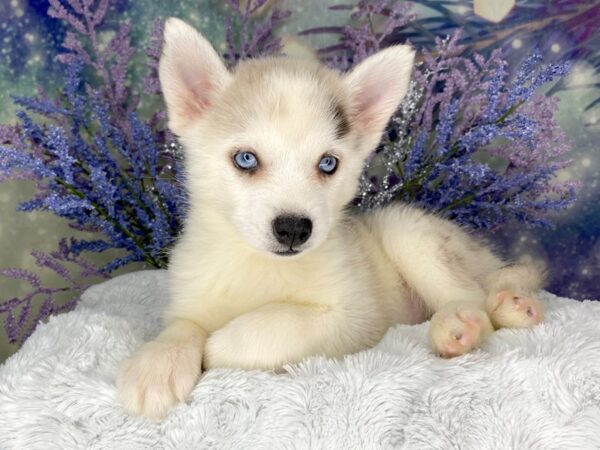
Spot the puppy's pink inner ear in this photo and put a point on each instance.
(198, 99)
(191, 74)
(367, 107)
(377, 85)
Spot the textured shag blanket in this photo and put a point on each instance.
(525, 389)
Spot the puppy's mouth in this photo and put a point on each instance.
(288, 252)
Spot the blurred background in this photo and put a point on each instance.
(30, 41)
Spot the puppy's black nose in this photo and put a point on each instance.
(292, 230)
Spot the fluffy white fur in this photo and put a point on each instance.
(534, 389)
(234, 302)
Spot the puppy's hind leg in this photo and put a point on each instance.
(511, 301)
(445, 267)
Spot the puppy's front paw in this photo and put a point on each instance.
(457, 328)
(157, 377)
(510, 310)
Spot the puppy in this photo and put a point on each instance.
(271, 266)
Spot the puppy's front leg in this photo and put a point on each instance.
(279, 333)
(162, 372)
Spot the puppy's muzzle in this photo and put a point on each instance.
(291, 230)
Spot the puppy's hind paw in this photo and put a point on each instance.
(458, 328)
(510, 310)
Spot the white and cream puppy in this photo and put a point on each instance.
(271, 266)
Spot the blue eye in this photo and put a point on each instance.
(245, 160)
(328, 164)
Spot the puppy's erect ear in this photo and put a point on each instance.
(377, 85)
(191, 74)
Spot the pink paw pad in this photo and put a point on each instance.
(515, 311)
(454, 332)
(461, 341)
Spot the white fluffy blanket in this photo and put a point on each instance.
(525, 389)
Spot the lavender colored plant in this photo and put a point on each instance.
(563, 29)
(249, 36)
(95, 162)
(21, 315)
(473, 144)
(372, 24)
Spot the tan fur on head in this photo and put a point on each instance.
(290, 112)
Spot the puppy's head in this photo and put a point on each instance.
(276, 146)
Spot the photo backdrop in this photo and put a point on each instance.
(30, 41)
